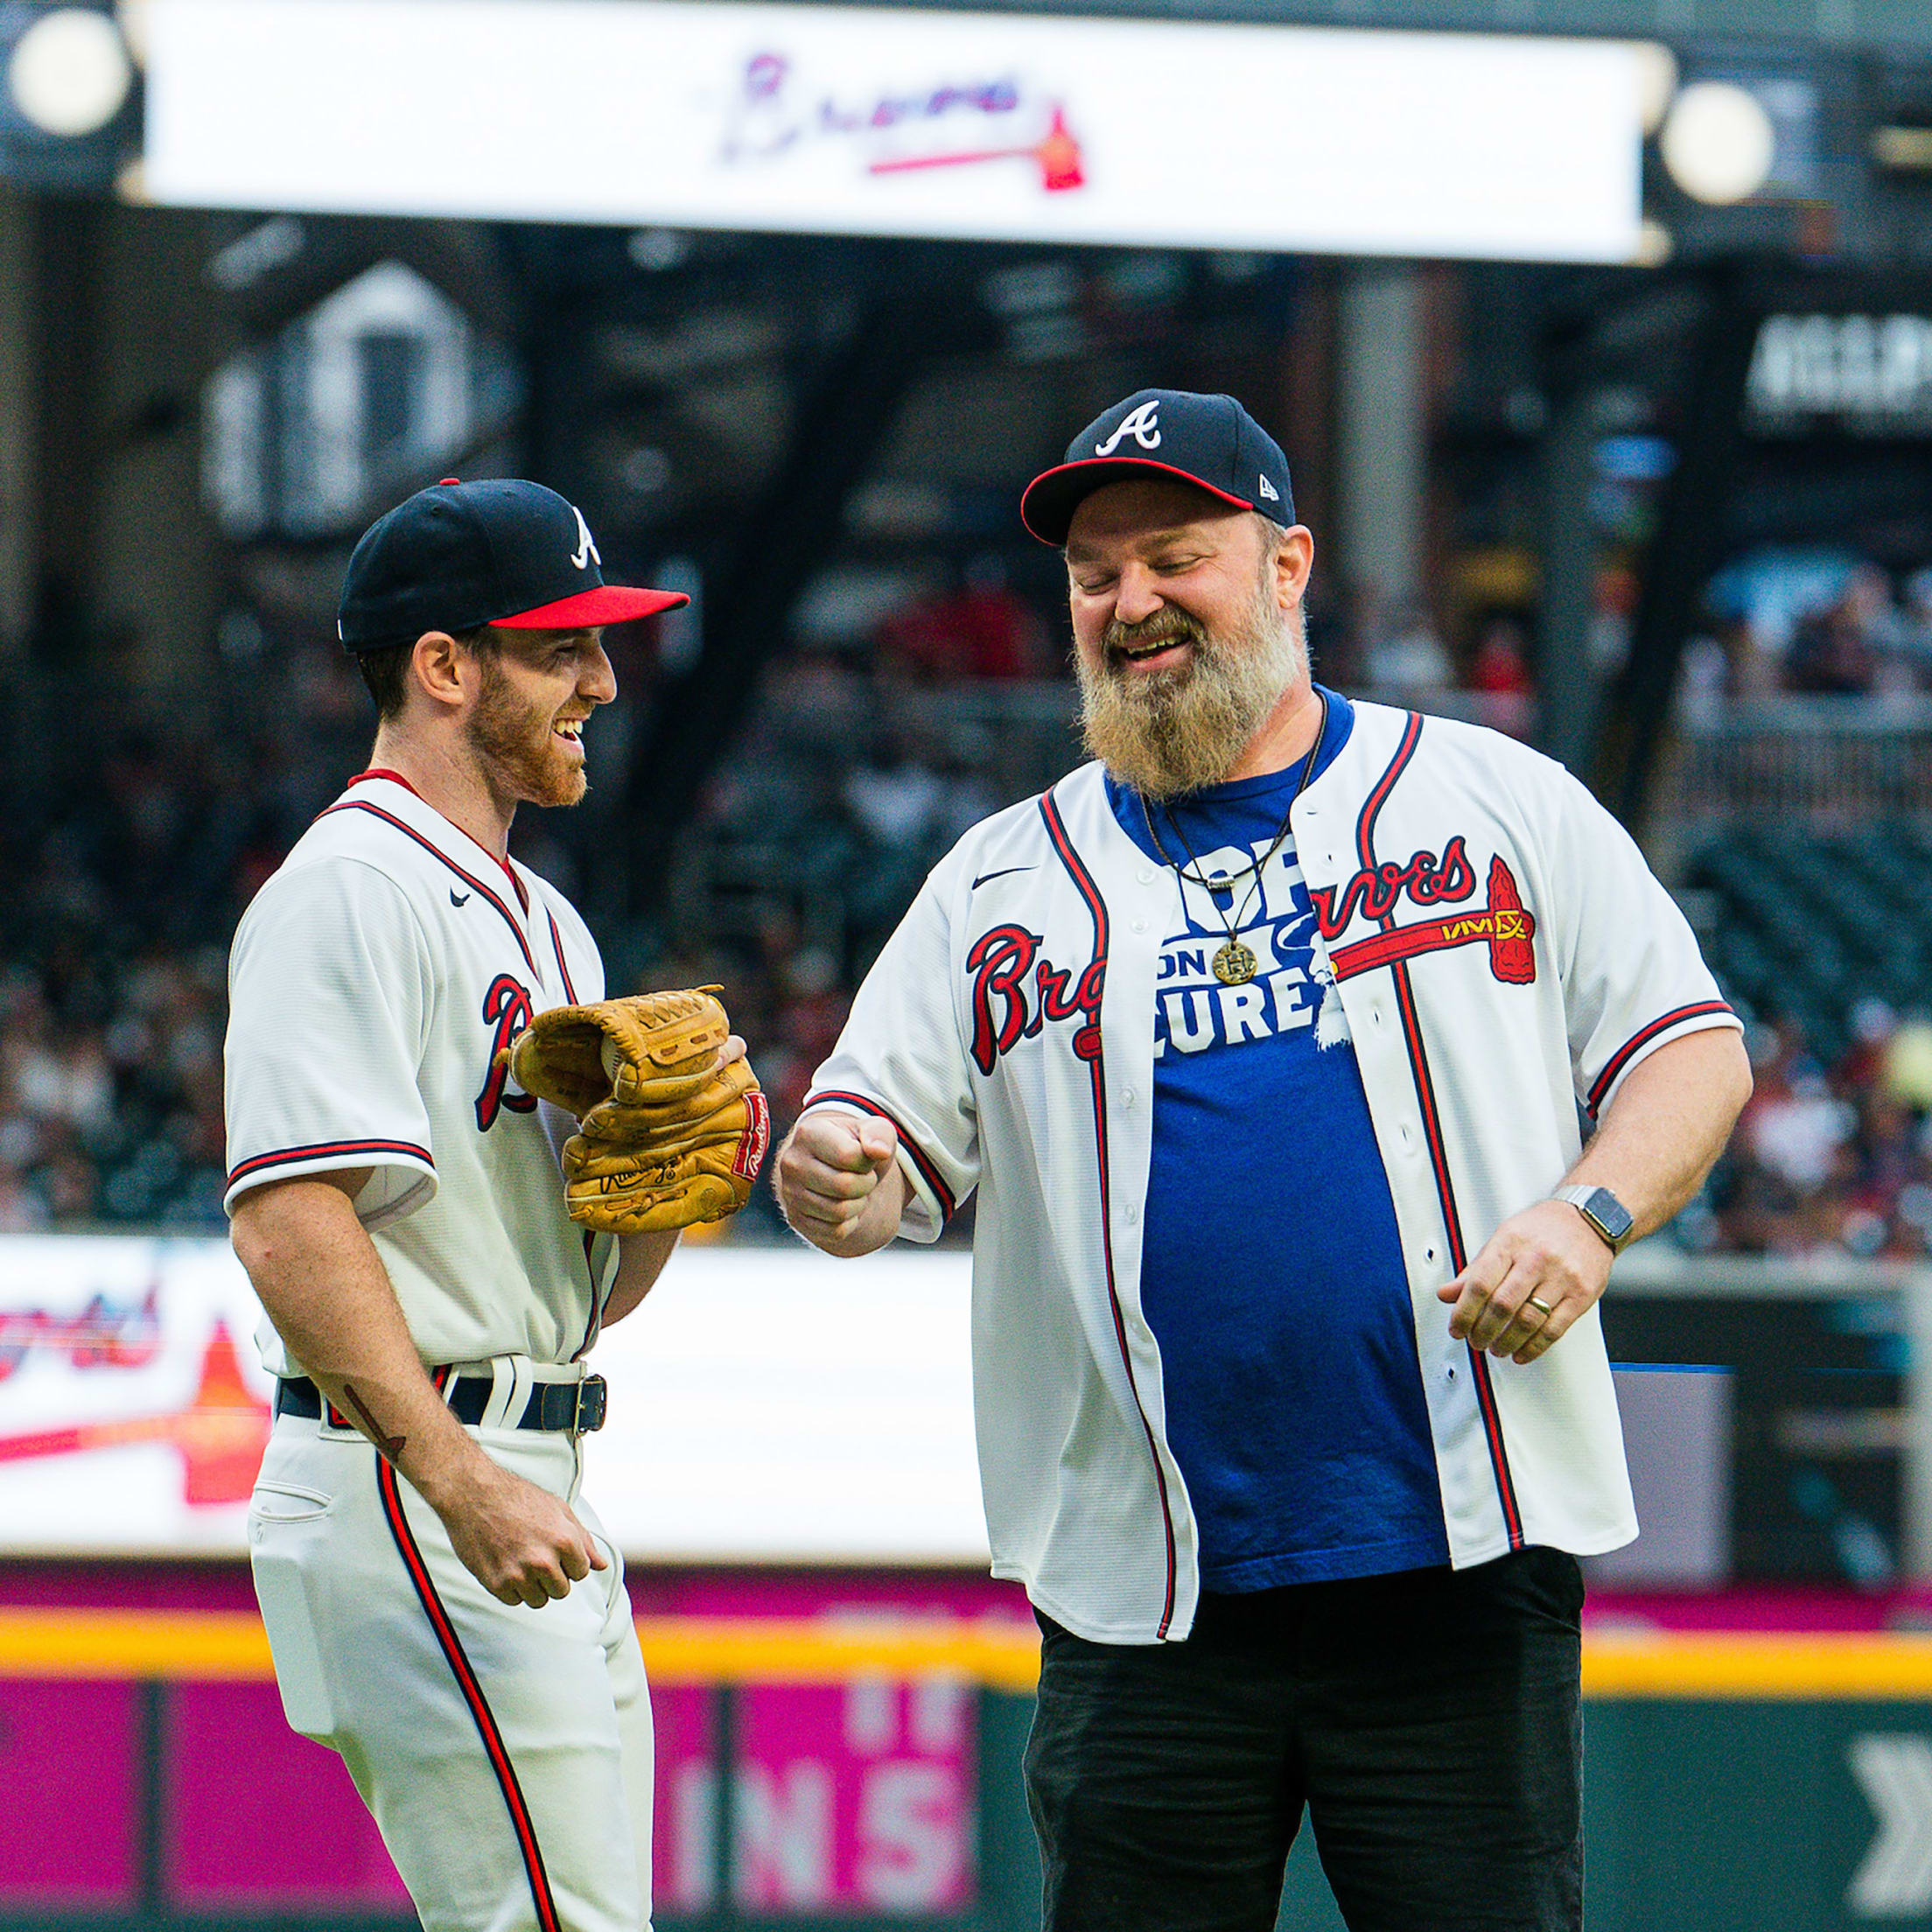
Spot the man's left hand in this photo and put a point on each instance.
(1549, 1252)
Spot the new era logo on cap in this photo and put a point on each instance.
(459, 556)
(1210, 441)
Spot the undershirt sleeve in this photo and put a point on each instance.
(330, 995)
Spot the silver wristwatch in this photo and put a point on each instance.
(1604, 1211)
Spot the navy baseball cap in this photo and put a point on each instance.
(459, 556)
(1209, 441)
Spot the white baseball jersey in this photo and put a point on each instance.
(371, 982)
(1502, 956)
(505, 1753)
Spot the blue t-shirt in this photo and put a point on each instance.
(1271, 1272)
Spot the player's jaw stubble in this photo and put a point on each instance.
(513, 738)
(1169, 732)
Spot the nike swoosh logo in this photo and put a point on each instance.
(457, 898)
(983, 877)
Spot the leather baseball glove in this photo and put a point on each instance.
(665, 1137)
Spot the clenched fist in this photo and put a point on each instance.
(839, 1182)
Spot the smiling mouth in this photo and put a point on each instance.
(570, 730)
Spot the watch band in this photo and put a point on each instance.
(1614, 1221)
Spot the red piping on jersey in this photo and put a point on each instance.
(563, 966)
(927, 1171)
(284, 1156)
(394, 778)
(1431, 1128)
(435, 850)
(397, 778)
(471, 1689)
(1607, 1078)
(1063, 846)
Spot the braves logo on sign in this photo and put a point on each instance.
(1141, 424)
(506, 1011)
(586, 549)
(1004, 962)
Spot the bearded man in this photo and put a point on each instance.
(1264, 1039)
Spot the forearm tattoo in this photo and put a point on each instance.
(391, 1446)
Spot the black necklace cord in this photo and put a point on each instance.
(1212, 885)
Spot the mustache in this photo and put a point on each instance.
(1167, 625)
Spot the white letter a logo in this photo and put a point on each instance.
(586, 549)
(1138, 424)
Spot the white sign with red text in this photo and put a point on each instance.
(897, 120)
(767, 1405)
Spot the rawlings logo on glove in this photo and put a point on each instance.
(666, 1137)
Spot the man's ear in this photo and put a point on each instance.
(1294, 559)
(439, 667)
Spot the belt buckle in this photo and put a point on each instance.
(592, 1395)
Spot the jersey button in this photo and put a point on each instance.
(1140, 925)
(1146, 875)
(1126, 1097)
(1133, 1215)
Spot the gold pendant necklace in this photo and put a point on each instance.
(1234, 963)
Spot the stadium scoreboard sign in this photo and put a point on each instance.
(896, 121)
(1866, 374)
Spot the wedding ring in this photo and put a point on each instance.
(1535, 1303)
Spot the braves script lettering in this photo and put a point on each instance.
(1375, 891)
(1005, 963)
(768, 116)
(507, 1009)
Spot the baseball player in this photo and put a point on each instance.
(1263, 1038)
(445, 1609)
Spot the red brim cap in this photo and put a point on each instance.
(1047, 507)
(592, 610)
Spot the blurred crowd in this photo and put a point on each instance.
(1828, 1159)
(130, 857)
(1823, 623)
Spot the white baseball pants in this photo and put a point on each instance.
(505, 1753)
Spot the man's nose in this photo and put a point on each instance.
(1136, 596)
(599, 681)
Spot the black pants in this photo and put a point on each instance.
(1430, 1721)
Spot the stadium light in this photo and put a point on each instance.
(70, 72)
(1717, 143)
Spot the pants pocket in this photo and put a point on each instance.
(286, 1502)
(284, 1521)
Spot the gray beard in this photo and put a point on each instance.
(1170, 733)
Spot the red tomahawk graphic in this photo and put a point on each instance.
(1057, 152)
(1505, 923)
(220, 1434)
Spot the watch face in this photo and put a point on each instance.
(1609, 1213)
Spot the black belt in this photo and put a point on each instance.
(577, 1406)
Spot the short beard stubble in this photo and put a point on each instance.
(1170, 733)
(513, 738)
